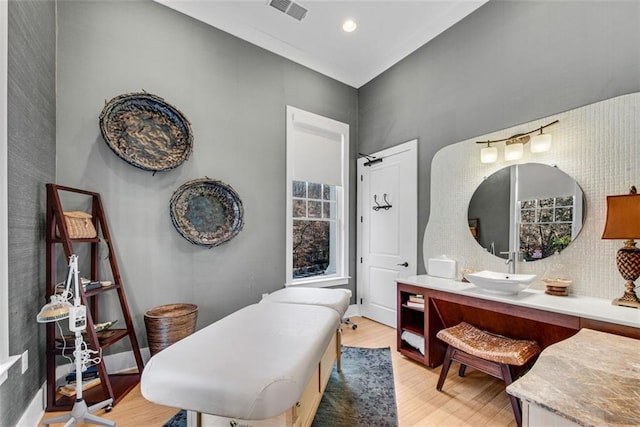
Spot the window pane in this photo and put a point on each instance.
(546, 215)
(564, 215)
(564, 201)
(312, 248)
(546, 203)
(329, 210)
(299, 208)
(315, 209)
(528, 204)
(315, 191)
(329, 192)
(299, 189)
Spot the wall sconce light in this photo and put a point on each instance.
(489, 154)
(514, 145)
(541, 142)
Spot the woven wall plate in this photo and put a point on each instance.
(206, 212)
(146, 132)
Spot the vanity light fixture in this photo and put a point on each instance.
(514, 148)
(349, 26)
(514, 145)
(489, 154)
(541, 142)
(623, 222)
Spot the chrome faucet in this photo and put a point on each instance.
(511, 262)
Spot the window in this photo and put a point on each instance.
(545, 226)
(314, 229)
(317, 195)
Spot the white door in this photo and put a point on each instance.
(387, 213)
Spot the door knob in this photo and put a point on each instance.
(404, 264)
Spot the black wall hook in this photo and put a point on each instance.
(378, 206)
(371, 159)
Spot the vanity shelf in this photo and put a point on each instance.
(417, 320)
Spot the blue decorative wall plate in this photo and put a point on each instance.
(206, 212)
(146, 132)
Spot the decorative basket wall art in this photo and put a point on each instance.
(206, 212)
(147, 132)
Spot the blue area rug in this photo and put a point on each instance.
(362, 395)
(178, 420)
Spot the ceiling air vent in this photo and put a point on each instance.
(290, 8)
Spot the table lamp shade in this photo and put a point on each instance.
(623, 217)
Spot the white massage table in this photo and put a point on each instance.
(264, 365)
(336, 298)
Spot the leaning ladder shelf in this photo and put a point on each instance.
(115, 385)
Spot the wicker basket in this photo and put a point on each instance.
(146, 132)
(79, 225)
(206, 212)
(168, 324)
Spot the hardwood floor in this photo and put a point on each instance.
(475, 400)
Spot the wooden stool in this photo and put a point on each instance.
(492, 354)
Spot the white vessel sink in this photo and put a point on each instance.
(500, 283)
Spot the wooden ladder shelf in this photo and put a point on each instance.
(112, 385)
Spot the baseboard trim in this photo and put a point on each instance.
(352, 310)
(35, 411)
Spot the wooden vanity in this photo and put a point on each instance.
(531, 314)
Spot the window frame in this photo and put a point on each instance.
(296, 119)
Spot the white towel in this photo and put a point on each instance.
(414, 340)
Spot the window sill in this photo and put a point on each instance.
(319, 282)
(4, 367)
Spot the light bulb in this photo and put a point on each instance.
(349, 26)
(541, 143)
(513, 151)
(489, 154)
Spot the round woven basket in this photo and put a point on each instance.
(206, 212)
(168, 324)
(146, 131)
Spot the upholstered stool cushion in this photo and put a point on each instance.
(484, 345)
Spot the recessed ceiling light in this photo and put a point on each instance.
(349, 26)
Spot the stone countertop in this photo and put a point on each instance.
(581, 306)
(592, 379)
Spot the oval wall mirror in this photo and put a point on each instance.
(533, 209)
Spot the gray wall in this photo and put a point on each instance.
(234, 95)
(31, 164)
(507, 63)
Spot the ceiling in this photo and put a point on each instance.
(387, 31)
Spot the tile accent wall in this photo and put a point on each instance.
(598, 145)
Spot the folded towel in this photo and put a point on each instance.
(414, 340)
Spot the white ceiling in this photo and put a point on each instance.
(387, 31)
